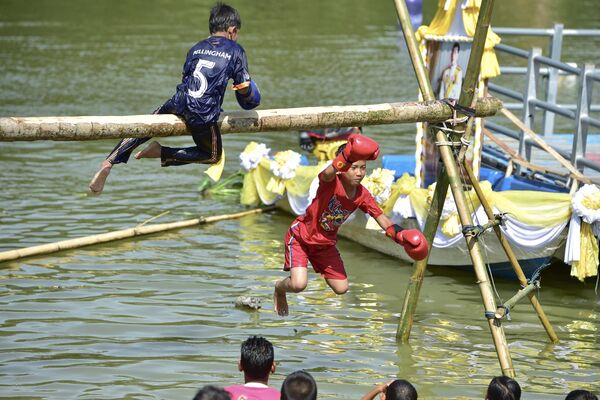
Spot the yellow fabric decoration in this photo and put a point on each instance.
(305, 174)
(216, 170)
(276, 185)
(588, 254)
(451, 225)
(489, 63)
(326, 150)
(592, 201)
(542, 209)
(249, 194)
(440, 25)
(262, 175)
(402, 187)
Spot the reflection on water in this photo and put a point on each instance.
(155, 317)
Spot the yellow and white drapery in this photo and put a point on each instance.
(584, 229)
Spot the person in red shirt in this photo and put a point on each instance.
(313, 236)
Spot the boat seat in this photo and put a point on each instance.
(519, 183)
(400, 163)
(491, 175)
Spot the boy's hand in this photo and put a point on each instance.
(359, 147)
(412, 240)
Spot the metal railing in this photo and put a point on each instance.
(540, 67)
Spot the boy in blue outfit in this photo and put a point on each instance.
(208, 67)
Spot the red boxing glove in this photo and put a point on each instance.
(359, 147)
(412, 240)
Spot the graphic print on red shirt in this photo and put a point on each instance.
(329, 209)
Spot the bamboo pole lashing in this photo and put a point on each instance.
(121, 234)
(505, 307)
(466, 97)
(511, 256)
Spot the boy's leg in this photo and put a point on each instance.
(339, 286)
(328, 262)
(122, 152)
(296, 262)
(296, 283)
(207, 150)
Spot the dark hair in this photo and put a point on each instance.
(503, 388)
(210, 392)
(257, 357)
(222, 16)
(299, 385)
(456, 45)
(401, 390)
(581, 395)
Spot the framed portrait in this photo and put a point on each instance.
(447, 68)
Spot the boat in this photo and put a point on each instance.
(540, 213)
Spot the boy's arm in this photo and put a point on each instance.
(247, 95)
(328, 174)
(375, 391)
(384, 221)
(412, 240)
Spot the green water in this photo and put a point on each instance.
(154, 318)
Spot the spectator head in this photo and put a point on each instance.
(210, 392)
(299, 385)
(400, 390)
(503, 388)
(581, 395)
(257, 358)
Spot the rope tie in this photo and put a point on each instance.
(473, 230)
(448, 143)
(453, 104)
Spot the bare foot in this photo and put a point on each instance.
(280, 304)
(151, 151)
(97, 183)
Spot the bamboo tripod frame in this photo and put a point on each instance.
(449, 176)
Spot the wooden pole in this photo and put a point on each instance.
(563, 161)
(511, 256)
(411, 297)
(289, 119)
(452, 171)
(121, 234)
(518, 159)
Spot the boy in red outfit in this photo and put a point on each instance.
(313, 236)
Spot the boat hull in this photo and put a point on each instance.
(456, 256)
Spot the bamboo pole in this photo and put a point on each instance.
(453, 173)
(288, 119)
(121, 234)
(563, 161)
(516, 158)
(505, 308)
(411, 297)
(511, 257)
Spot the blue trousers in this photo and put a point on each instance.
(207, 138)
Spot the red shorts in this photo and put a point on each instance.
(325, 260)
